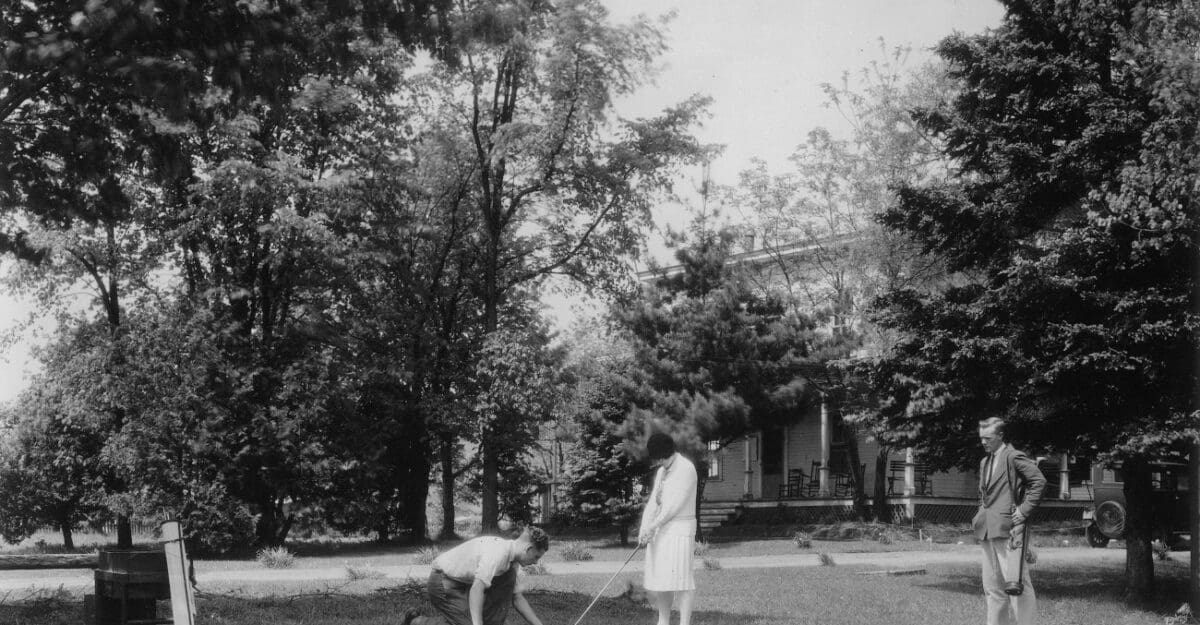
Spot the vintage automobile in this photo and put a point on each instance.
(1170, 492)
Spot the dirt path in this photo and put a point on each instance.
(19, 583)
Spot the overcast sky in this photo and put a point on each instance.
(762, 62)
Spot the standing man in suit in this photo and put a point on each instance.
(1010, 489)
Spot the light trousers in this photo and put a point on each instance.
(1000, 564)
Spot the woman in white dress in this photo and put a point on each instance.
(669, 530)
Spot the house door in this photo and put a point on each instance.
(772, 462)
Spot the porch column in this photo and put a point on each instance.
(826, 440)
(910, 473)
(910, 482)
(748, 486)
(1064, 477)
(785, 454)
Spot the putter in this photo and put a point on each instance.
(606, 584)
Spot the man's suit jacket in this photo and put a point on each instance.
(997, 499)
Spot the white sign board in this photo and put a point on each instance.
(183, 598)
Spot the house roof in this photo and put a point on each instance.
(760, 255)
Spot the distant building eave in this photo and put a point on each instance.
(757, 256)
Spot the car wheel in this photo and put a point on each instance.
(1110, 519)
(1094, 537)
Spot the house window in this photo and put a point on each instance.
(714, 460)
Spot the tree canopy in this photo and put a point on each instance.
(1072, 219)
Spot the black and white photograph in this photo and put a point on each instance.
(599, 312)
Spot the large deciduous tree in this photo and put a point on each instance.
(1074, 211)
(99, 106)
(558, 187)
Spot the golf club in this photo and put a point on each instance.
(606, 584)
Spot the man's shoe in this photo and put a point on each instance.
(409, 616)
(1012, 588)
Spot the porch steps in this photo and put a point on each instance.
(715, 514)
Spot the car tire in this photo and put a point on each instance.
(1110, 519)
(1095, 538)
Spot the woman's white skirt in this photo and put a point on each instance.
(670, 556)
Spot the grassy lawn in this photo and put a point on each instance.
(838, 595)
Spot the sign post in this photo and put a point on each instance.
(183, 598)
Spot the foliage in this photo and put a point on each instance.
(356, 573)
(61, 424)
(295, 242)
(803, 540)
(275, 558)
(1072, 217)
(601, 478)
(137, 137)
(537, 568)
(558, 187)
(714, 358)
(426, 555)
(575, 551)
(815, 223)
(517, 388)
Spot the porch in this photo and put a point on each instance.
(808, 464)
(905, 509)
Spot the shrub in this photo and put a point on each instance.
(276, 558)
(803, 540)
(711, 564)
(426, 555)
(218, 524)
(355, 573)
(537, 568)
(826, 559)
(1161, 551)
(702, 549)
(1183, 616)
(575, 551)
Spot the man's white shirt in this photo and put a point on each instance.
(481, 558)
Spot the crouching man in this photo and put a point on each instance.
(475, 582)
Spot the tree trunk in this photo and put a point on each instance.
(1139, 530)
(273, 525)
(490, 502)
(883, 507)
(701, 480)
(416, 494)
(124, 532)
(489, 497)
(447, 462)
(1194, 526)
(68, 539)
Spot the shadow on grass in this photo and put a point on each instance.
(1094, 583)
(384, 607)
